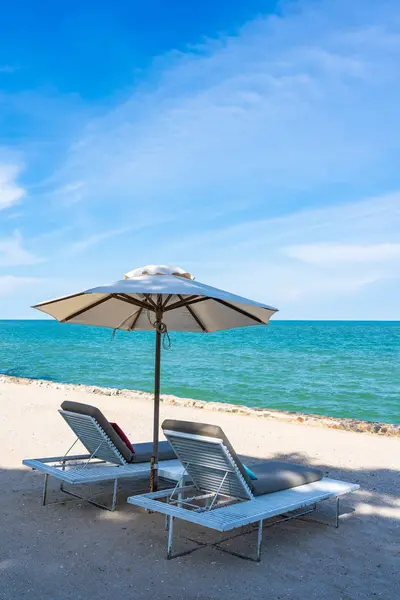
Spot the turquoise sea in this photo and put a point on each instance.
(341, 369)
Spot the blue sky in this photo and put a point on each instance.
(255, 144)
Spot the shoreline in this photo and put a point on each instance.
(338, 423)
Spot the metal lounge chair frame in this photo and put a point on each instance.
(220, 498)
(103, 462)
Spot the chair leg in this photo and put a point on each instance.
(170, 534)
(259, 540)
(218, 545)
(170, 521)
(68, 492)
(114, 498)
(44, 496)
(337, 511)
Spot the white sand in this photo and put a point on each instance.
(75, 550)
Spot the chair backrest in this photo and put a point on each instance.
(209, 463)
(106, 426)
(93, 437)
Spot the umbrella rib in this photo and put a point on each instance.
(108, 297)
(150, 299)
(167, 300)
(83, 310)
(239, 310)
(58, 300)
(194, 315)
(186, 302)
(134, 301)
(135, 320)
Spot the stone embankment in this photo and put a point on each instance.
(375, 428)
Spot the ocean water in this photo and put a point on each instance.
(340, 369)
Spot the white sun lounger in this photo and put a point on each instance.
(103, 463)
(221, 499)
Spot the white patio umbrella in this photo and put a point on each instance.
(162, 298)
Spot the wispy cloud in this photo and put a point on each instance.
(13, 253)
(355, 245)
(70, 193)
(143, 223)
(11, 192)
(374, 220)
(262, 159)
(287, 104)
(11, 283)
(334, 254)
(96, 238)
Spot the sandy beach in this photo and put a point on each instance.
(76, 551)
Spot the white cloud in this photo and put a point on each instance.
(334, 254)
(10, 191)
(262, 138)
(287, 104)
(287, 287)
(70, 193)
(71, 187)
(355, 246)
(95, 238)
(373, 221)
(98, 237)
(11, 283)
(13, 253)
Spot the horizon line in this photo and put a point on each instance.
(51, 320)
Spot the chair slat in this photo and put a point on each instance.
(93, 437)
(209, 464)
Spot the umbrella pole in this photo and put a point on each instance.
(156, 419)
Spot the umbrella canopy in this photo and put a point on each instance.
(163, 298)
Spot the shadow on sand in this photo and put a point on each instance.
(74, 550)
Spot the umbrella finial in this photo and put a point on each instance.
(154, 270)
